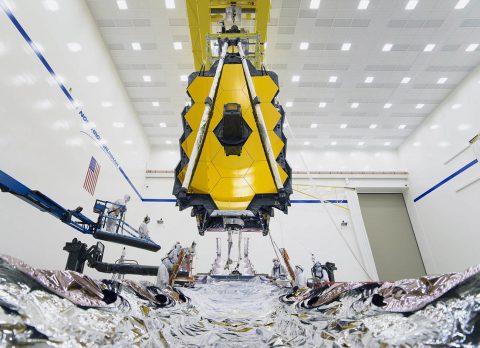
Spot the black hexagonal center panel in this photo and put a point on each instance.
(232, 131)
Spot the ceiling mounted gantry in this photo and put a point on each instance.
(210, 19)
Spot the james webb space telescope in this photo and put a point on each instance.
(233, 169)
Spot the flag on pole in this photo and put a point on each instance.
(92, 176)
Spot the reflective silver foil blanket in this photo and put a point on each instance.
(66, 309)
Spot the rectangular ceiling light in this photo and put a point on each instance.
(354, 105)
(369, 79)
(156, 104)
(304, 45)
(314, 4)
(343, 125)
(322, 105)
(442, 80)
(472, 47)
(122, 4)
(136, 46)
(346, 46)
(170, 4)
(411, 4)
(419, 106)
(183, 78)
(363, 4)
(387, 47)
(429, 47)
(147, 78)
(373, 126)
(295, 78)
(405, 80)
(51, 5)
(361, 143)
(402, 126)
(288, 104)
(313, 125)
(387, 105)
(177, 45)
(387, 143)
(461, 4)
(332, 79)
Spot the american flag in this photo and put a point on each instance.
(92, 176)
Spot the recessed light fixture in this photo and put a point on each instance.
(162, 124)
(155, 103)
(456, 106)
(429, 47)
(177, 45)
(472, 47)
(369, 79)
(461, 4)
(373, 126)
(313, 125)
(51, 5)
(387, 105)
(147, 78)
(417, 144)
(122, 4)
(411, 4)
(333, 143)
(128, 142)
(406, 80)
(136, 46)
(74, 46)
(332, 79)
(295, 78)
(387, 143)
(106, 104)
(442, 80)
(92, 79)
(346, 46)
(354, 105)
(419, 106)
(183, 78)
(314, 4)
(363, 4)
(288, 104)
(464, 127)
(304, 45)
(361, 143)
(322, 105)
(402, 126)
(434, 126)
(170, 4)
(306, 143)
(343, 125)
(168, 142)
(118, 124)
(387, 47)
(443, 144)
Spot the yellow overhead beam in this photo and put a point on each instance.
(262, 17)
(201, 17)
(198, 12)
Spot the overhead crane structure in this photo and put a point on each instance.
(233, 170)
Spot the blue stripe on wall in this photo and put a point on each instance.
(447, 179)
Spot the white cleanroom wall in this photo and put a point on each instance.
(443, 199)
(43, 142)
